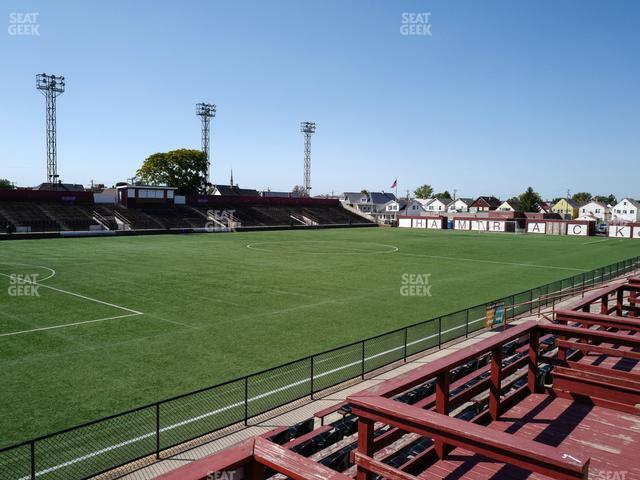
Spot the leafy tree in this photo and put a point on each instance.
(607, 200)
(364, 191)
(556, 200)
(581, 197)
(184, 169)
(444, 194)
(299, 189)
(424, 191)
(530, 200)
(6, 184)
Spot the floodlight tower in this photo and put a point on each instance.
(51, 87)
(206, 111)
(308, 129)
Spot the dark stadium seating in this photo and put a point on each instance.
(69, 216)
(137, 219)
(50, 216)
(28, 215)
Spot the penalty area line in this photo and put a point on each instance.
(479, 260)
(130, 310)
(69, 324)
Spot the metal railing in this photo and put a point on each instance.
(101, 445)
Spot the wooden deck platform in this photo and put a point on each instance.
(611, 439)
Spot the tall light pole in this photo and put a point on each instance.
(51, 87)
(308, 129)
(206, 111)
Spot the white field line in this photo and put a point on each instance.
(53, 272)
(69, 324)
(492, 261)
(77, 295)
(351, 251)
(131, 313)
(231, 406)
(597, 241)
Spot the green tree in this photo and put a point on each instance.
(424, 191)
(444, 195)
(364, 191)
(6, 184)
(606, 199)
(300, 190)
(183, 169)
(581, 197)
(530, 200)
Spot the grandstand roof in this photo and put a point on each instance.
(235, 191)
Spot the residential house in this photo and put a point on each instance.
(460, 205)
(388, 214)
(626, 210)
(415, 207)
(566, 208)
(512, 205)
(485, 204)
(596, 211)
(437, 205)
(372, 203)
(545, 207)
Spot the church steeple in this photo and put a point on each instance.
(231, 181)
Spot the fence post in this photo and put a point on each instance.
(530, 301)
(246, 401)
(439, 332)
(312, 374)
(158, 431)
(406, 334)
(362, 373)
(513, 309)
(33, 460)
(466, 323)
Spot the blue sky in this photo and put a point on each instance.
(502, 95)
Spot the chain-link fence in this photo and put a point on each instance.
(90, 449)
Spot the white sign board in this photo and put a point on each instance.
(479, 225)
(619, 231)
(462, 224)
(497, 226)
(578, 229)
(537, 227)
(434, 223)
(404, 222)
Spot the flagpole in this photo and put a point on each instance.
(396, 182)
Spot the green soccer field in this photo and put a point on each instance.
(115, 323)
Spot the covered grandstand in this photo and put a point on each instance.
(30, 212)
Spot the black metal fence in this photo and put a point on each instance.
(93, 448)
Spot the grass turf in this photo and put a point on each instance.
(215, 307)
